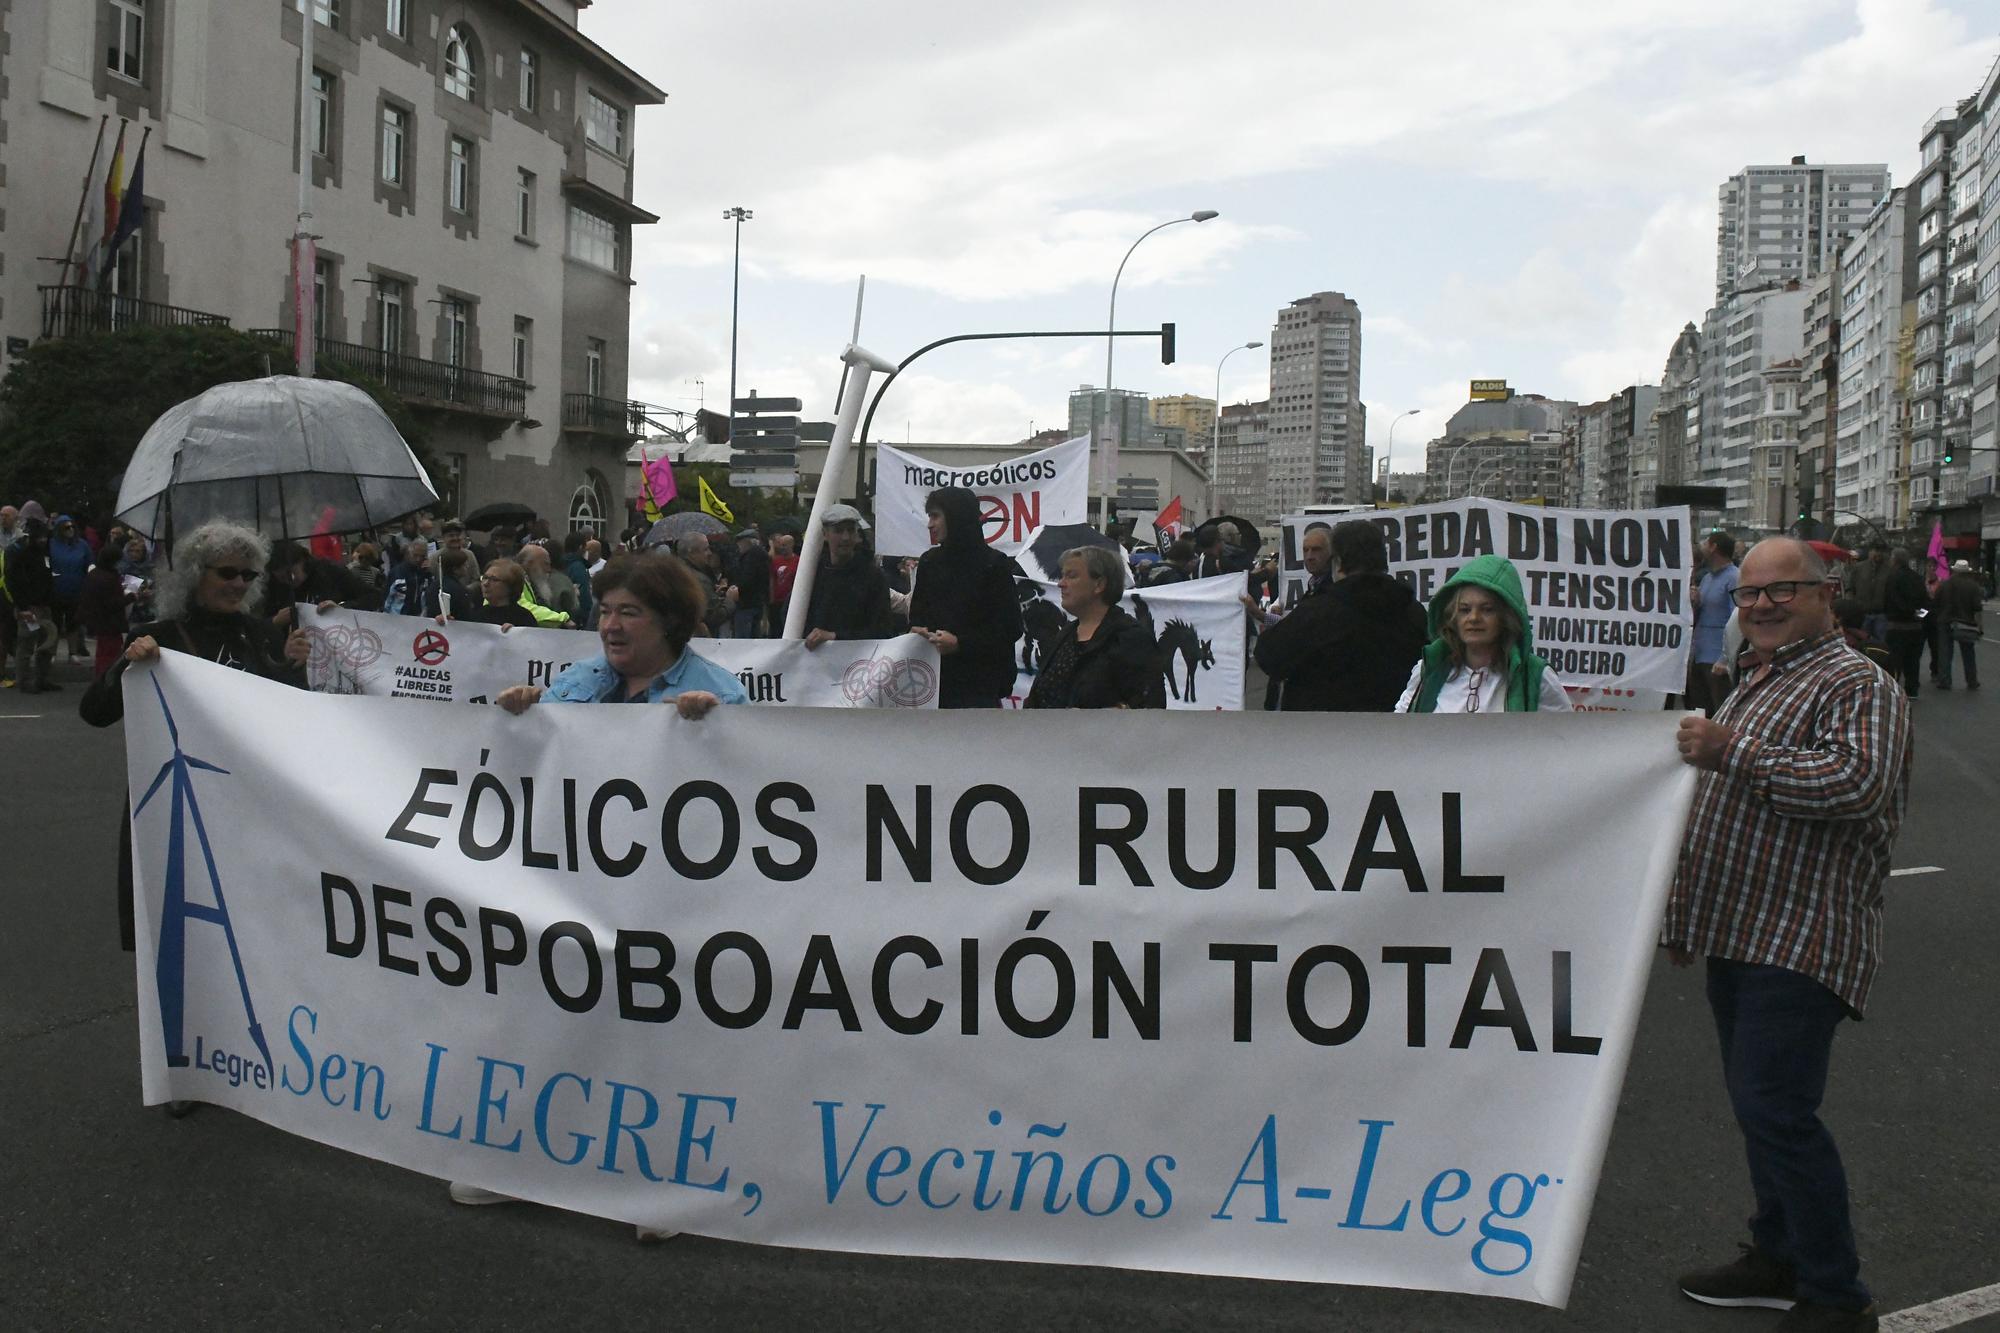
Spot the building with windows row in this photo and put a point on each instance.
(472, 196)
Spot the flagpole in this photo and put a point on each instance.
(96, 151)
(304, 333)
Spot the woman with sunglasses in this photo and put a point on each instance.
(1481, 657)
(207, 603)
(500, 592)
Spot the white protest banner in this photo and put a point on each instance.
(1017, 498)
(413, 657)
(1608, 588)
(971, 984)
(1199, 625)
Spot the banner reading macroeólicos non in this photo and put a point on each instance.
(1608, 588)
(1199, 626)
(971, 984)
(1018, 497)
(413, 657)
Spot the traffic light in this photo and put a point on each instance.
(1166, 344)
(1947, 454)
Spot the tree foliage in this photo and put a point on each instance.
(72, 410)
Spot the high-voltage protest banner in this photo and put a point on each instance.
(413, 657)
(1017, 498)
(965, 984)
(1198, 624)
(1608, 588)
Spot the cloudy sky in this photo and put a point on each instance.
(1524, 190)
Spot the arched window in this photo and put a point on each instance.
(586, 508)
(461, 64)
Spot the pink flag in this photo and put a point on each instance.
(659, 474)
(1936, 551)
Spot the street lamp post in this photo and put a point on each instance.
(1107, 458)
(1215, 436)
(1389, 450)
(739, 216)
(1450, 463)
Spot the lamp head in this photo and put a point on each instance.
(1204, 214)
(1250, 345)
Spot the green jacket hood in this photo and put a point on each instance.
(1498, 576)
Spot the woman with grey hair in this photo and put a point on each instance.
(206, 602)
(1104, 658)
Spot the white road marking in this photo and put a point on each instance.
(5, 716)
(1918, 870)
(1949, 1312)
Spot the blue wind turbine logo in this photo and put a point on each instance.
(176, 910)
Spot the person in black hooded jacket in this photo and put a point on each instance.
(1349, 645)
(964, 603)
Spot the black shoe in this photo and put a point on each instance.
(1755, 1280)
(1942, 684)
(179, 1110)
(1812, 1317)
(50, 686)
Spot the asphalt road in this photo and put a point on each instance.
(112, 1215)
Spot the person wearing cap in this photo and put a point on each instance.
(1960, 600)
(1481, 657)
(69, 560)
(751, 590)
(850, 595)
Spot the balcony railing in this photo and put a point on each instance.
(1961, 292)
(423, 383)
(70, 311)
(603, 416)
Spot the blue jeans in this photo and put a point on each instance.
(1776, 1028)
(744, 622)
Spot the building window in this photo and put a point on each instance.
(524, 207)
(322, 283)
(395, 138)
(126, 54)
(389, 314)
(324, 11)
(593, 367)
(456, 331)
(322, 113)
(530, 79)
(458, 183)
(396, 17)
(593, 239)
(586, 511)
(604, 125)
(524, 333)
(461, 65)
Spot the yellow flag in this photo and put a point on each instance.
(711, 503)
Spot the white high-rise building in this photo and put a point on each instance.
(1976, 196)
(1318, 426)
(1778, 224)
(1870, 469)
(1753, 329)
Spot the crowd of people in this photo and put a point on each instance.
(1798, 720)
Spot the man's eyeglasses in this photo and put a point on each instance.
(233, 574)
(1779, 593)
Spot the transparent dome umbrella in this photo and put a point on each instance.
(293, 458)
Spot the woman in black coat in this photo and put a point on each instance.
(964, 603)
(1104, 658)
(208, 601)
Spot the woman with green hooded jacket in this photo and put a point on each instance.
(1481, 657)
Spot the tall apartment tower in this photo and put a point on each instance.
(1778, 224)
(1876, 269)
(1318, 426)
(472, 170)
(1944, 329)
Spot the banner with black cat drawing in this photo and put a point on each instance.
(1200, 627)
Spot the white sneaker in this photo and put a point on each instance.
(475, 1197)
(654, 1235)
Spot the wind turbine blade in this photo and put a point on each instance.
(173, 730)
(165, 769)
(203, 764)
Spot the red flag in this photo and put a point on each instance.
(1168, 522)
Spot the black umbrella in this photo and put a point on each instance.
(1048, 548)
(508, 514)
(1251, 539)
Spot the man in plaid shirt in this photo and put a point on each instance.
(1806, 772)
